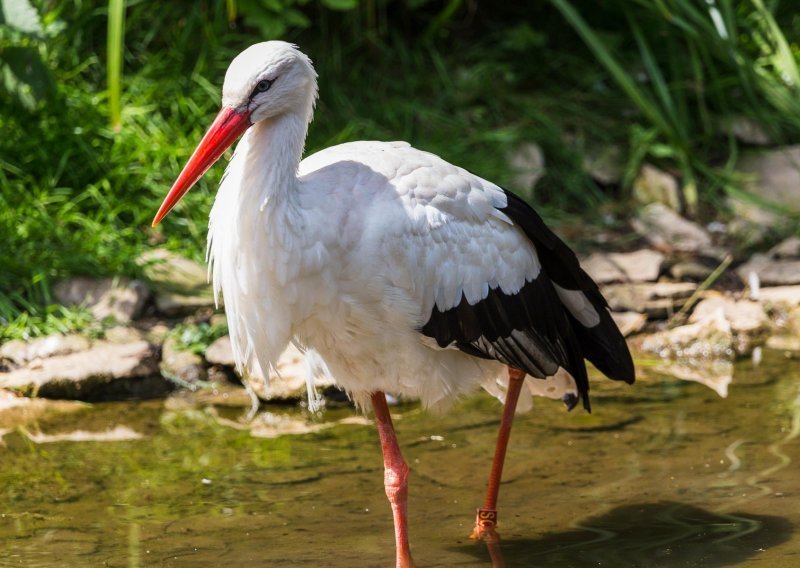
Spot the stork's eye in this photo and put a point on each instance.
(262, 86)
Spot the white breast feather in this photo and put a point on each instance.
(377, 235)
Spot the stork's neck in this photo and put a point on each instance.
(274, 148)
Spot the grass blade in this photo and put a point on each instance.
(116, 31)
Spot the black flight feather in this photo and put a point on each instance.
(532, 330)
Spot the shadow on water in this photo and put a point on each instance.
(662, 534)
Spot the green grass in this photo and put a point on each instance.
(77, 195)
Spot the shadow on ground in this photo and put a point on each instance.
(651, 534)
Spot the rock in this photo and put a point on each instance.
(788, 248)
(716, 374)
(784, 342)
(120, 298)
(288, 383)
(123, 334)
(181, 364)
(789, 295)
(181, 285)
(605, 163)
(751, 224)
(691, 269)
(653, 185)
(104, 372)
(709, 338)
(748, 320)
(746, 130)
(21, 352)
(629, 322)
(770, 272)
(657, 299)
(773, 175)
(667, 230)
(220, 352)
(639, 266)
(527, 164)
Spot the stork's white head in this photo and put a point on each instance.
(269, 79)
(266, 80)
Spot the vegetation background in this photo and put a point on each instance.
(101, 104)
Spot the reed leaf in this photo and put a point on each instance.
(116, 32)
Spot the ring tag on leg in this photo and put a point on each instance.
(486, 518)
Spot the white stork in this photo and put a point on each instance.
(407, 274)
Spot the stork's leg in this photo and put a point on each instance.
(486, 519)
(395, 479)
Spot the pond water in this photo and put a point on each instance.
(663, 473)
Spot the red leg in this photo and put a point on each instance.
(395, 479)
(486, 519)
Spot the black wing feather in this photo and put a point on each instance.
(531, 330)
(602, 344)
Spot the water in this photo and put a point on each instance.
(664, 473)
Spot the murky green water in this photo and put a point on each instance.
(664, 473)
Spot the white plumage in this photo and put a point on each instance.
(404, 273)
(351, 257)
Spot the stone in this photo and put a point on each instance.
(770, 272)
(751, 224)
(773, 175)
(118, 298)
(639, 266)
(104, 372)
(653, 185)
(746, 130)
(21, 352)
(708, 338)
(716, 374)
(787, 248)
(123, 334)
(629, 322)
(656, 299)
(181, 285)
(181, 364)
(667, 230)
(748, 320)
(784, 342)
(789, 295)
(527, 164)
(690, 269)
(605, 163)
(288, 383)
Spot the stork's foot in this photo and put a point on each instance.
(486, 531)
(485, 526)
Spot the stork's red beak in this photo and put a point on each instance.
(226, 128)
